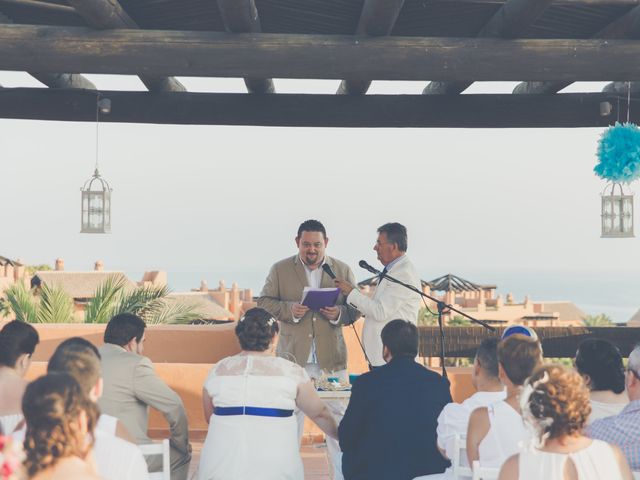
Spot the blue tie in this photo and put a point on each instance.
(382, 274)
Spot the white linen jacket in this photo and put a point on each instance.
(390, 301)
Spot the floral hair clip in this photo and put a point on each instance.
(271, 321)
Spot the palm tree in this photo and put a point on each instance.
(52, 305)
(601, 320)
(149, 303)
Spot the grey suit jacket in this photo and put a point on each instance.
(131, 386)
(283, 288)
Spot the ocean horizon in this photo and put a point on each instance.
(613, 293)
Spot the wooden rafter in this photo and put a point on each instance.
(390, 111)
(625, 27)
(377, 19)
(211, 54)
(508, 22)
(241, 16)
(109, 14)
(56, 80)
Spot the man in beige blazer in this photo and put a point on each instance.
(311, 339)
(131, 386)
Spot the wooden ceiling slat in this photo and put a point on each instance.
(241, 16)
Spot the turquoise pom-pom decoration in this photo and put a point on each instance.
(619, 153)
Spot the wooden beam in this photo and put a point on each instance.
(388, 111)
(376, 19)
(56, 80)
(241, 16)
(109, 14)
(508, 22)
(625, 27)
(207, 54)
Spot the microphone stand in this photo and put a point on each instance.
(442, 306)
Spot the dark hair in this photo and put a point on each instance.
(123, 327)
(401, 338)
(396, 233)
(78, 344)
(80, 359)
(17, 338)
(601, 360)
(51, 405)
(256, 329)
(487, 356)
(312, 226)
(519, 356)
(558, 404)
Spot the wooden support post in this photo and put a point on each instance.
(109, 14)
(241, 16)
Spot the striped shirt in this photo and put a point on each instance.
(622, 430)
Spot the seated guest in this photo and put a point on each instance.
(389, 428)
(600, 364)
(18, 341)
(454, 418)
(116, 459)
(495, 432)
(60, 421)
(248, 401)
(555, 404)
(623, 430)
(131, 386)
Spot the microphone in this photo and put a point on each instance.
(328, 271)
(368, 267)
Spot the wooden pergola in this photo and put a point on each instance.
(447, 44)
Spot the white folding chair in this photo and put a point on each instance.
(158, 449)
(636, 475)
(484, 473)
(459, 464)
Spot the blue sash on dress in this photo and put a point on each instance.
(256, 411)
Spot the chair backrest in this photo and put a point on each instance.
(459, 458)
(636, 475)
(484, 473)
(158, 449)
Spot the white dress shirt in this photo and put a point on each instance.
(116, 459)
(454, 418)
(390, 301)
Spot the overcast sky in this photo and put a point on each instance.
(210, 197)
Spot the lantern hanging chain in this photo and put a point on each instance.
(628, 100)
(97, 128)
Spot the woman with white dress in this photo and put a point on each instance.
(600, 364)
(18, 341)
(495, 432)
(555, 406)
(249, 400)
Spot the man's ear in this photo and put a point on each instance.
(131, 345)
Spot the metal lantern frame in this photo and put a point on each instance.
(96, 205)
(616, 212)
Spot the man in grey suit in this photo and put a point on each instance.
(131, 386)
(311, 339)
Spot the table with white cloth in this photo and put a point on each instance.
(337, 401)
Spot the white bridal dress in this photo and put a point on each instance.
(253, 447)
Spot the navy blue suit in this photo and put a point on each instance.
(389, 429)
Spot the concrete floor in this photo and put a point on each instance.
(314, 458)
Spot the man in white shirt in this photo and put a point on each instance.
(115, 458)
(454, 418)
(390, 301)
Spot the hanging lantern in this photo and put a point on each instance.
(96, 205)
(617, 213)
(96, 192)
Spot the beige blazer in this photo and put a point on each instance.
(131, 386)
(283, 288)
